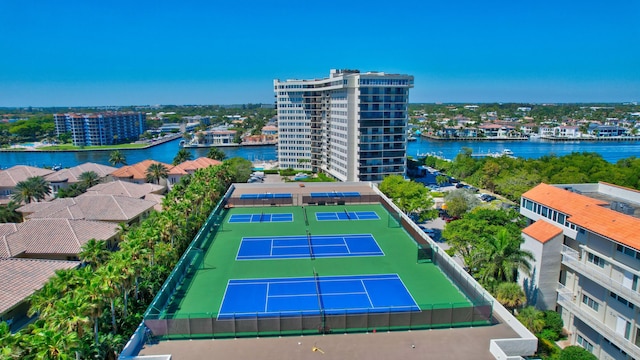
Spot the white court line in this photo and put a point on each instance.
(367, 292)
(266, 297)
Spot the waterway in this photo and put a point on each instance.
(610, 151)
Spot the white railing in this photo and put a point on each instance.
(571, 259)
(567, 300)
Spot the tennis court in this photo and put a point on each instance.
(315, 295)
(266, 196)
(335, 194)
(308, 246)
(347, 215)
(262, 218)
(230, 290)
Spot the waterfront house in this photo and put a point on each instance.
(137, 173)
(604, 131)
(55, 239)
(216, 137)
(64, 178)
(269, 130)
(567, 132)
(20, 279)
(188, 168)
(13, 175)
(546, 130)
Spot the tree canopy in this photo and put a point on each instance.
(411, 197)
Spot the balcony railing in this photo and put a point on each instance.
(571, 259)
(567, 301)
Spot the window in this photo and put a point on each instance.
(590, 302)
(596, 260)
(561, 218)
(621, 300)
(637, 342)
(585, 344)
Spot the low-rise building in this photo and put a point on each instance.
(10, 177)
(137, 173)
(62, 179)
(587, 247)
(188, 168)
(20, 279)
(111, 208)
(55, 239)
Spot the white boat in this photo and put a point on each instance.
(507, 152)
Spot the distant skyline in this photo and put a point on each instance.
(83, 53)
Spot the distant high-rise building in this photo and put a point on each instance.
(351, 126)
(101, 128)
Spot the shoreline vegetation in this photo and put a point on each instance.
(72, 148)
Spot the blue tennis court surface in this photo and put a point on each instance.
(298, 247)
(251, 218)
(329, 294)
(266, 196)
(347, 215)
(335, 194)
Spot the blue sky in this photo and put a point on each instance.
(77, 53)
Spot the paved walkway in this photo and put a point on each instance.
(459, 343)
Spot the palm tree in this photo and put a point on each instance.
(116, 157)
(72, 190)
(111, 278)
(94, 252)
(89, 179)
(34, 188)
(8, 213)
(499, 258)
(182, 156)
(155, 172)
(216, 154)
(532, 319)
(510, 295)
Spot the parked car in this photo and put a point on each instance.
(487, 197)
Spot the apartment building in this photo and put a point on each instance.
(351, 125)
(586, 240)
(101, 128)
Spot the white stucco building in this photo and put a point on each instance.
(586, 241)
(351, 125)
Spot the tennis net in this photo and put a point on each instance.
(317, 281)
(306, 220)
(261, 216)
(311, 255)
(323, 325)
(347, 213)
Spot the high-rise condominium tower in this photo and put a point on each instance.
(351, 125)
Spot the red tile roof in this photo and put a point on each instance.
(13, 175)
(56, 236)
(191, 166)
(125, 188)
(137, 171)
(589, 213)
(22, 277)
(542, 231)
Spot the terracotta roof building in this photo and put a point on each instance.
(189, 167)
(136, 173)
(112, 208)
(20, 279)
(55, 239)
(13, 175)
(65, 177)
(125, 188)
(586, 240)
